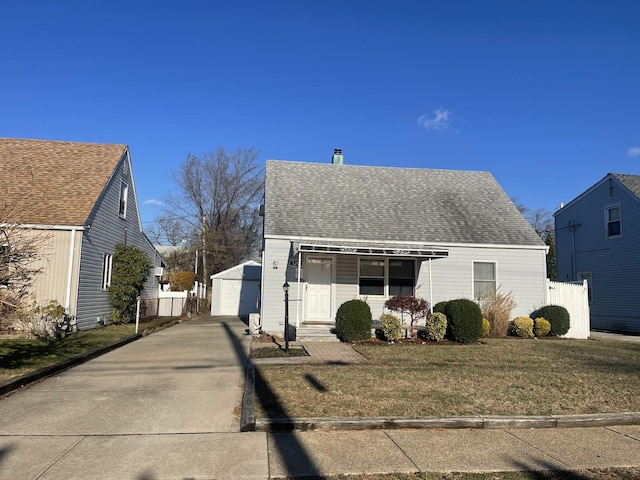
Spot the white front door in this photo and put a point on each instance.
(319, 281)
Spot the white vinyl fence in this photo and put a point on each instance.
(172, 304)
(574, 296)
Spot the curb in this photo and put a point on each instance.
(24, 380)
(249, 423)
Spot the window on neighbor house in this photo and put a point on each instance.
(613, 219)
(107, 263)
(484, 279)
(124, 191)
(402, 278)
(372, 275)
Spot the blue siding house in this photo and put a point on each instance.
(598, 239)
(80, 199)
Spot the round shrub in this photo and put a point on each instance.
(486, 327)
(464, 320)
(557, 316)
(522, 327)
(439, 307)
(541, 327)
(435, 327)
(391, 327)
(353, 321)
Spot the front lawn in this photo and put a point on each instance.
(507, 376)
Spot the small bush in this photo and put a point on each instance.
(440, 306)
(522, 327)
(557, 316)
(181, 281)
(45, 322)
(416, 308)
(353, 321)
(486, 327)
(541, 327)
(497, 309)
(464, 320)
(436, 327)
(391, 327)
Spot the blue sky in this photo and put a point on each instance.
(543, 94)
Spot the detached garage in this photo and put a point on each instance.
(236, 291)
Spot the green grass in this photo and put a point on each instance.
(21, 356)
(591, 474)
(507, 376)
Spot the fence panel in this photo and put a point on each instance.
(574, 296)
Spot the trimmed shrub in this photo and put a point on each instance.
(416, 308)
(497, 307)
(440, 306)
(435, 327)
(557, 316)
(522, 327)
(541, 327)
(391, 327)
(353, 321)
(486, 327)
(464, 320)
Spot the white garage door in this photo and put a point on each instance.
(240, 297)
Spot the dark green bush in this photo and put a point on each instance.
(557, 316)
(440, 306)
(464, 320)
(353, 321)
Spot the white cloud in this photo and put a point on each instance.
(439, 121)
(152, 201)
(634, 152)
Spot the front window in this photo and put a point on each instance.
(377, 273)
(401, 277)
(372, 274)
(613, 221)
(484, 279)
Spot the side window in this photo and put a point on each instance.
(124, 192)
(613, 221)
(107, 262)
(372, 276)
(484, 279)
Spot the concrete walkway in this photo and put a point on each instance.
(167, 407)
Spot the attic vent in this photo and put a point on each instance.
(337, 158)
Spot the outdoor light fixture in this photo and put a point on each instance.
(275, 264)
(285, 288)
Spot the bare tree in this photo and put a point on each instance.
(21, 252)
(541, 220)
(215, 208)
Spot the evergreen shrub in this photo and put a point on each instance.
(541, 327)
(353, 321)
(391, 327)
(439, 307)
(464, 320)
(435, 327)
(557, 316)
(522, 327)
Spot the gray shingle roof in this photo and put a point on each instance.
(386, 204)
(53, 183)
(632, 182)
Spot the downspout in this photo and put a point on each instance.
(72, 247)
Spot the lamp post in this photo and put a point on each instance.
(285, 287)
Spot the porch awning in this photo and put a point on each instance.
(386, 250)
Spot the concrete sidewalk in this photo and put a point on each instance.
(167, 407)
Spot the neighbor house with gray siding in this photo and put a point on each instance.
(338, 232)
(598, 239)
(80, 199)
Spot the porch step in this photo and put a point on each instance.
(316, 333)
